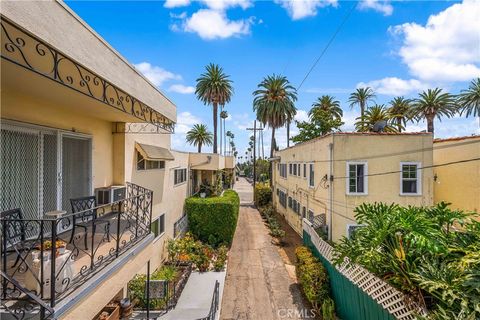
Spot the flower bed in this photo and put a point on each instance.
(202, 256)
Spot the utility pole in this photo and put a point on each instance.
(254, 129)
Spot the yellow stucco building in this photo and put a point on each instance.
(457, 179)
(78, 120)
(325, 178)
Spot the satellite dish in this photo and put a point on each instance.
(379, 126)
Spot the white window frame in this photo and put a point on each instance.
(145, 163)
(419, 179)
(347, 180)
(160, 234)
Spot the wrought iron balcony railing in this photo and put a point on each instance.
(56, 256)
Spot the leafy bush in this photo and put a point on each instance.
(424, 251)
(263, 194)
(328, 309)
(312, 277)
(213, 220)
(136, 287)
(221, 258)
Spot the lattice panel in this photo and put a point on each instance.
(387, 296)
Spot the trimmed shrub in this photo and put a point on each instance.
(263, 194)
(213, 220)
(312, 277)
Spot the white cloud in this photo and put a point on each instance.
(155, 74)
(301, 115)
(299, 9)
(185, 121)
(393, 86)
(383, 7)
(210, 24)
(180, 88)
(176, 3)
(447, 48)
(225, 4)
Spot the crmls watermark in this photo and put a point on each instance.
(296, 313)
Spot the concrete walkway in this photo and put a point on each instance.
(196, 297)
(257, 286)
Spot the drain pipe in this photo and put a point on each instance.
(331, 193)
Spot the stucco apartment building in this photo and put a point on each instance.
(457, 173)
(324, 179)
(86, 159)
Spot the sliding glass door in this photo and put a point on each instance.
(42, 168)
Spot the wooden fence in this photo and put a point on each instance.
(358, 294)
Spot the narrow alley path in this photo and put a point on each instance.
(257, 286)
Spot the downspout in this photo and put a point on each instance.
(331, 193)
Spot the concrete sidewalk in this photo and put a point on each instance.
(196, 297)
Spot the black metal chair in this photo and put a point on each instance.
(86, 205)
(14, 229)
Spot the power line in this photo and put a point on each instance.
(393, 154)
(329, 43)
(420, 168)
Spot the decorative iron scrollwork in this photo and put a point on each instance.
(26, 50)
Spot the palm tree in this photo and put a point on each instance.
(401, 111)
(361, 97)
(328, 104)
(373, 115)
(199, 136)
(214, 87)
(223, 116)
(433, 103)
(469, 100)
(274, 103)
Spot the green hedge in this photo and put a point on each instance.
(213, 220)
(263, 194)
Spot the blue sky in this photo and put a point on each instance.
(398, 48)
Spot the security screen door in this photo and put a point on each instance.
(42, 168)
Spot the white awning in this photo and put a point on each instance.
(154, 153)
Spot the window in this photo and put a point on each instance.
(158, 226)
(304, 212)
(144, 164)
(410, 178)
(290, 202)
(311, 216)
(294, 169)
(180, 175)
(357, 182)
(351, 229)
(283, 170)
(311, 181)
(290, 167)
(294, 205)
(305, 170)
(282, 198)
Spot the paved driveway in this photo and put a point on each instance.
(257, 286)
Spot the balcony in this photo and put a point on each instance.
(44, 261)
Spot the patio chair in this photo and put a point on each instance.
(86, 205)
(15, 233)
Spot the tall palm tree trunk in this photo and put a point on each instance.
(399, 124)
(430, 125)
(272, 148)
(288, 133)
(200, 148)
(215, 110)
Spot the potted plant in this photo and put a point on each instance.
(61, 246)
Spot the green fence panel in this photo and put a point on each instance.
(351, 303)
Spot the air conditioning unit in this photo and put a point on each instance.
(110, 194)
